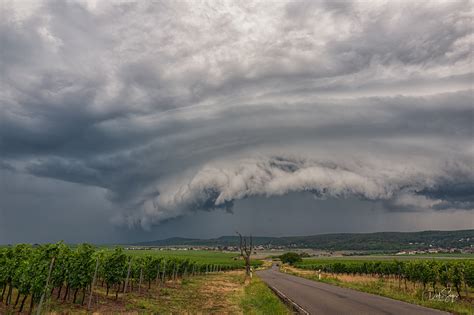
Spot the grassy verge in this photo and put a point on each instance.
(383, 287)
(259, 299)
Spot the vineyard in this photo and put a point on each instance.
(428, 275)
(30, 276)
(203, 256)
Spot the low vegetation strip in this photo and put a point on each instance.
(259, 299)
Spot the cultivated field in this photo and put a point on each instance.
(57, 278)
(204, 256)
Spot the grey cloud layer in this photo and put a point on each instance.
(179, 106)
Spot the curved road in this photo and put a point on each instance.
(320, 298)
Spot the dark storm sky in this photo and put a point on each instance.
(124, 121)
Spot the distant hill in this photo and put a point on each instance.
(383, 241)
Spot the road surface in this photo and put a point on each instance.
(320, 298)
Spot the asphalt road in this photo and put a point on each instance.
(321, 298)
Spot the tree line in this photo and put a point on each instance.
(427, 273)
(70, 274)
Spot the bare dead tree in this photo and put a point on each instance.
(246, 248)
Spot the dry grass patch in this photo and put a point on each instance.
(212, 293)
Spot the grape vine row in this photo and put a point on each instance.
(62, 272)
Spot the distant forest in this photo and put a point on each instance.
(381, 241)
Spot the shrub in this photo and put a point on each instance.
(291, 258)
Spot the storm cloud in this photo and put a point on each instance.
(172, 107)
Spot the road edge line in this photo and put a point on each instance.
(288, 301)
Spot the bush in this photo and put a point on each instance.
(291, 258)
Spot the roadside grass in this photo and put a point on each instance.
(384, 287)
(220, 293)
(259, 299)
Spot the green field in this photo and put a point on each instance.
(443, 257)
(199, 256)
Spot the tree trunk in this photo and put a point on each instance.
(59, 292)
(107, 292)
(66, 293)
(117, 291)
(32, 304)
(3, 292)
(247, 265)
(83, 295)
(9, 295)
(23, 302)
(75, 296)
(17, 299)
(458, 290)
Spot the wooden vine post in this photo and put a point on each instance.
(128, 276)
(93, 284)
(163, 277)
(38, 311)
(157, 274)
(141, 278)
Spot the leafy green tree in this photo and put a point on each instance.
(290, 258)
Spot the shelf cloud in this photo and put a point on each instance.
(176, 107)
